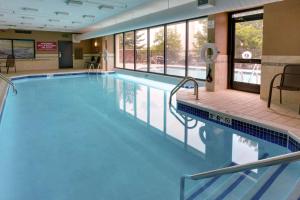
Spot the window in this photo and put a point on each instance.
(157, 49)
(141, 45)
(171, 49)
(23, 49)
(197, 38)
(119, 50)
(129, 50)
(176, 49)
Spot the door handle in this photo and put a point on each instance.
(59, 54)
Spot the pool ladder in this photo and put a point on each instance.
(181, 83)
(8, 81)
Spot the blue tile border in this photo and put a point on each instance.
(269, 135)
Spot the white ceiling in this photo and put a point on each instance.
(13, 16)
(161, 12)
(126, 15)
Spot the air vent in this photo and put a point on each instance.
(203, 4)
(23, 31)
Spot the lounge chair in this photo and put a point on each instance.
(290, 81)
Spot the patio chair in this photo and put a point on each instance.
(10, 63)
(290, 81)
(88, 63)
(96, 64)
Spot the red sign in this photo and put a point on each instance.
(46, 46)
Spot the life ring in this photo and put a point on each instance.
(209, 59)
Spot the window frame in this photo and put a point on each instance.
(148, 47)
(253, 88)
(12, 48)
(186, 21)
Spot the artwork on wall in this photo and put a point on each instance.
(78, 53)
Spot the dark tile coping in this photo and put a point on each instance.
(268, 134)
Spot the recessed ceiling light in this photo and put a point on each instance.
(24, 23)
(24, 17)
(48, 25)
(53, 20)
(74, 2)
(88, 16)
(61, 13)
(106, 6)
(11, 25)
(30, 9)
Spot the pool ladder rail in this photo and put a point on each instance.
(181, 83)
(268, 162)
(8, 81)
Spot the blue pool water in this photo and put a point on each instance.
(109, 137)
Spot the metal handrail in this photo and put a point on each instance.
(288, 158)
(8, 81)
(181, 83)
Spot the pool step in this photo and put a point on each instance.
(239, 185)
(281, 181)
(280, 185)
(295, 194)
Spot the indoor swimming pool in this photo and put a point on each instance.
(115, 137)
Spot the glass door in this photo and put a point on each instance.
(246, 50)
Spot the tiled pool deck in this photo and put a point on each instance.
(246, 106)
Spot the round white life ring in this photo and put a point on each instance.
(209, 59)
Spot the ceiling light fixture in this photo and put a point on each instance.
(106, 6)
(88, 16)
(30, 9)
(24, 23)
(74, 2)
(61, 13)
(24, 17)
(53, 20)
(11, 25)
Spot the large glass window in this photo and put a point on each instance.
(119, 50)
(163, 49)
(129, 50)
(197, 38)
(141, 45)
(157, 49)
(176, 34)
(23, 48)
(5, 48)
